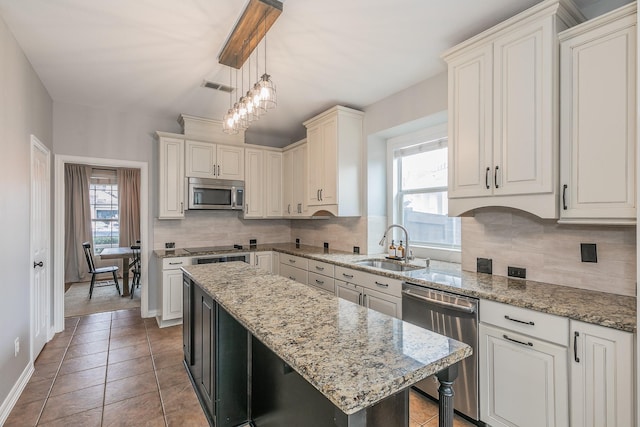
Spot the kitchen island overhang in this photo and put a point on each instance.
(353, 356)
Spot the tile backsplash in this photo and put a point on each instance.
(218, 228)
(550, 251)
(342, 233)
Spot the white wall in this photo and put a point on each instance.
(25, 109)
(98, 133)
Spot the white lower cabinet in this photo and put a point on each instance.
(170, 296)
(523, 380)
(294, 273)
(378, 293)
(524, 368)
(602, 373)
(262, 260)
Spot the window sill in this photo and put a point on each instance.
(435, 253)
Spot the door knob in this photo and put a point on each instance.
(38, 264)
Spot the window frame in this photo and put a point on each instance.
(434, 134)
(101, 176)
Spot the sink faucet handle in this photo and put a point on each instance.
(410, 256)
(428, 262)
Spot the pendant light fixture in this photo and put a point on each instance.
(244, 39)
(267, 87)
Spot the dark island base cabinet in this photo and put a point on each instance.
(219, 354)
(215, 351)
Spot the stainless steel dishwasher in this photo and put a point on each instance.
(453, 316)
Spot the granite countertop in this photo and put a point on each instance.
(600, 308)
(354, 356)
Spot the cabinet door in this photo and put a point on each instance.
(525, 104)
(171, 178)
(598, 125)
(230, 161)
(187, 322)
(471, 124)
(349, 291)
(288, 204)
(300, 173)
(262, 261)
(329, 165)
(273, 184)
(254, 184)
(172, 294)
(208, 328)
(602, 367)
(315, 162)
(383, 303)
(201, 159)
(523, 380)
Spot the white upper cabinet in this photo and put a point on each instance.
(334, 155)
(263, 183)
(171, 179)
(598, 120)
(254, 183)
(294, 178)
(503, 115)
(207, 160)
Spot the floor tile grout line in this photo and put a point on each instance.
(155, 374)
(55, 376)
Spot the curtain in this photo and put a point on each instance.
(77, 227)
(129, 205)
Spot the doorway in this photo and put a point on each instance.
(59, 234)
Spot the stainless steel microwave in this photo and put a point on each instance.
(215, 194)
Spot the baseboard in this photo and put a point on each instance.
(14, 394)
(152, 313)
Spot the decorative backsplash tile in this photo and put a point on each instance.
(550, 251)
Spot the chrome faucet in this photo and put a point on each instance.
(407, 252)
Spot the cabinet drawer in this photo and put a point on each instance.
(382, 284)
(322, 282)
(175, 263)
(533, 323)
(294, 261)
(349, 275)
(293, 273)
(320, 267)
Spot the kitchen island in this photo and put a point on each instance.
(308, 354)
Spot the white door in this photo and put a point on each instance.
(230, 162)
(254, 184)
(40, 237)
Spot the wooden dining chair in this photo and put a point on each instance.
(136, 267)
(95, 271)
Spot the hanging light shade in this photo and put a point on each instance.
(228, 122)
(268, 98)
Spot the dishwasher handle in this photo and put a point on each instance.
(457, 307)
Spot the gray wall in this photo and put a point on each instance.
(25, 109)
(99, 133)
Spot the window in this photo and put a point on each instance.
(103, 197)
(420, 195)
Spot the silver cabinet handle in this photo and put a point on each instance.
(486, 177)
(218, 170)
(292, 261)
(576, 334)
(289, 208)
(175, 263)
(181, 207)
(564, 197)
(321, 194)
(292, 278)
(530, 344)
(360, 299)
(384, 285)
(348, 276)
(246, 208)
(319, 268)
(320, 282)
(519, 321)
(495, 177)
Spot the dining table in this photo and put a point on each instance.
(124, 253)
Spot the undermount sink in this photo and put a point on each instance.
(388, 265)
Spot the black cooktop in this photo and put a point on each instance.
(214, 249)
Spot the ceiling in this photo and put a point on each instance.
(152, 56)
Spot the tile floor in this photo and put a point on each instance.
(116, 369)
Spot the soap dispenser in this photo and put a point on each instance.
(392, 249)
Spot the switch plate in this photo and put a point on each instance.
(520, 273)
(297, 243)
(484, 265)
(588, 252)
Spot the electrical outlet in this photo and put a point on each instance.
(520, 273)
(588, 252)
(484, 265)
(356, 249)
(326, 246)
(16, 344)
(297, 243)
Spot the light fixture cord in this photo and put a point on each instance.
(265, 42)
